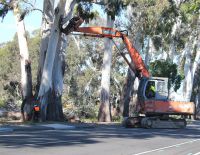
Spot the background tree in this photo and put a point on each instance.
(26, 75)
(112, 8)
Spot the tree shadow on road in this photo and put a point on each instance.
(92, 135)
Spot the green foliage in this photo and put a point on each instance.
(190, 10)
(114, 7)
(165, 23)
(148, 19)
(167, 69)
(84, 10)
(5, 6)
(150, 13)
(111, 7)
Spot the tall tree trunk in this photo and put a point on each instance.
(104, 110)
(26, 76)
(47, 20)
(190, 67)
(196, 71)
(196, 90)
(46, 86)
(55, 103)
(51, 104)
(54, 109)
(150, 50)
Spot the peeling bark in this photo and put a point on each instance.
(51, 86)
(48, 9)
(47, 74)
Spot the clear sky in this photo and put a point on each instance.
(32, 21)
(8, 26)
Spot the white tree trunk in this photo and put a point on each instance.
(149, 51)
(48, 10)
(46, 81)
(26, 76)
(190, 67)
(24, 54)
(54, 101)
(54, 66)
(59, 62)
(55, 104)
(104, 110)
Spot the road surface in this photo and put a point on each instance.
(102, 140)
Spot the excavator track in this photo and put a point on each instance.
(132, 122)
(155, 122)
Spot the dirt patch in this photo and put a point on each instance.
(9, 115)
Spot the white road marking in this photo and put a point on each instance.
(167, 147)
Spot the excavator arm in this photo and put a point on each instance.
(105, 32)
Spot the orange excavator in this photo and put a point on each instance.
(154, 108)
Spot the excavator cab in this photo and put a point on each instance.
(156, 109)
(154, 88)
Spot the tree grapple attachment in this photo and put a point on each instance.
(73, 25)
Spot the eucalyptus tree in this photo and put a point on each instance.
(191, 50)
(26, 76)
(51, 64)
(51, 71)
(112, 8)
(104, 110)
(51, 84)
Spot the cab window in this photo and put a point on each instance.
(150, 91)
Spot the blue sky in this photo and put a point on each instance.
(32, 21)
(8, 26)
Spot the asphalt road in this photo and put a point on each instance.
(102, 140)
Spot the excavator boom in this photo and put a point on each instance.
(105, 32)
